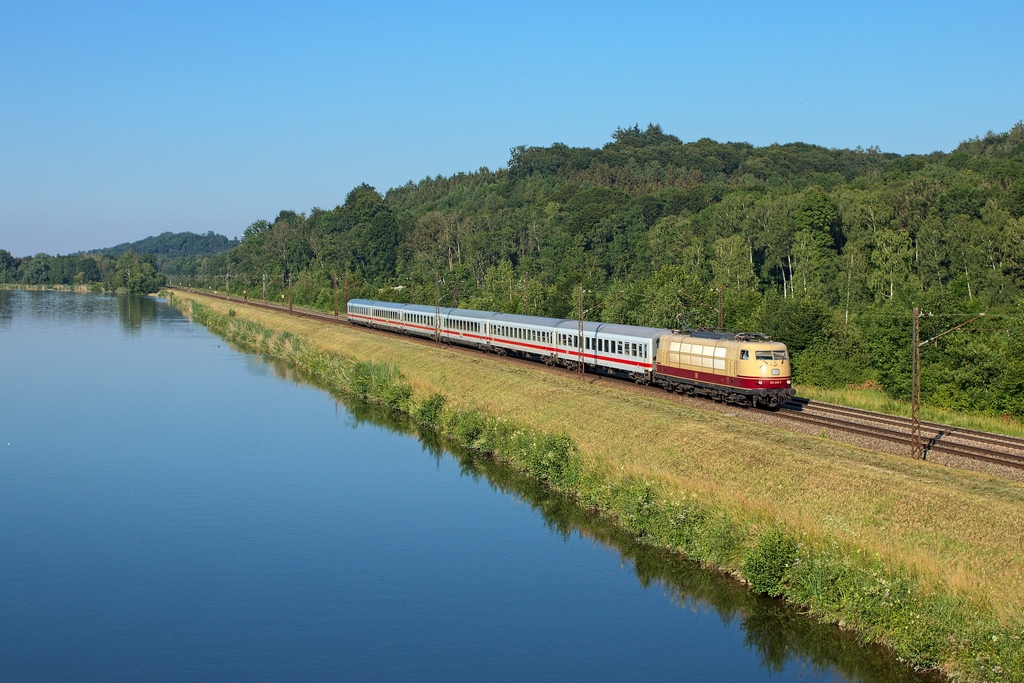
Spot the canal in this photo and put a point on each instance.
(172, 509)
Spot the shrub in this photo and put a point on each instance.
(768, 563)
(429, 412)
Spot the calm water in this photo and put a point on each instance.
(172, 509)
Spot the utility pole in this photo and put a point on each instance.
(721, 311)
(289, 292)
(245, 288)
(437, 308)
(227, 290)
(579, 340)
(346, 290)
(335, 280)
(916, 444)
(916, 447)
(264, 288)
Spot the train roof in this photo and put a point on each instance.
(469, 313)
(567, 325)
(378, 304)
(425, 310)
(516, 319)
(726, 336)
(612, 328)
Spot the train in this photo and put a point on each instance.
(740, 368)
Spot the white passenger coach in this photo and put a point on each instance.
(620, 348)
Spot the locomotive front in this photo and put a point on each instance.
(763, 369)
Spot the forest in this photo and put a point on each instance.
(828, 250)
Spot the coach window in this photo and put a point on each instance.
(744, 354)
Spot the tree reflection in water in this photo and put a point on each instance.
(777, 631)
(135, 310)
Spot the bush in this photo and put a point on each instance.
(768, 563)
(826, 366)
(429, 412)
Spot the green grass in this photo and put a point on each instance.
(922, 558)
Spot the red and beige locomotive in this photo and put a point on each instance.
(747, 369)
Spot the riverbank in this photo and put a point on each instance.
(95, 287)
(913, 555)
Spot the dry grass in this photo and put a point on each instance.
(955, 528)
(875, 399)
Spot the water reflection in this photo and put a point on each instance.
(133, 311)
(778, 632)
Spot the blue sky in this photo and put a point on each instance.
(122, 120)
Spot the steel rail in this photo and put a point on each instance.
(961, 450)
(938, 430)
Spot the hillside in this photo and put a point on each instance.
(170, 245)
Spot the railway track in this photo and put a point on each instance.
(937, 438)
(985, 447)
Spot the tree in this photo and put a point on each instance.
(891, 261)
(88, 270)
(137, 274)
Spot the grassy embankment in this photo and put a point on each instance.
(923, 558)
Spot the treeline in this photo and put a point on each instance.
(131, 265)
(130, 272)
(828, 250)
